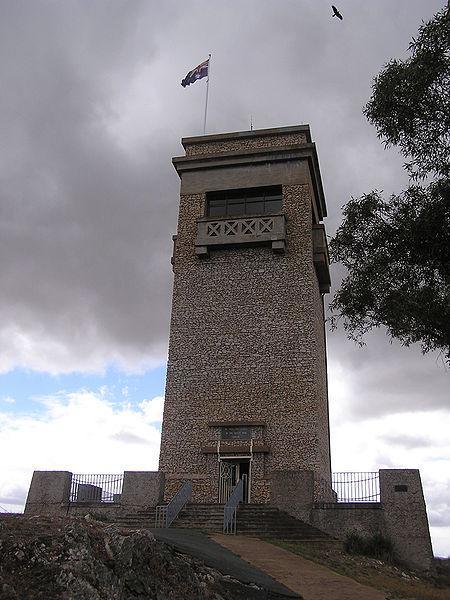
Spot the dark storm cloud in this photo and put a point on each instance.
(383, 377)
(91, 112)
(83, 224)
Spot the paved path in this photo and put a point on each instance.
(195, 543)
(310, 580)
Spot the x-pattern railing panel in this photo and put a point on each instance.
(249, 227)
(219, 231)
(237, 227)
(213, 229)
(265, 225)
(231, 227)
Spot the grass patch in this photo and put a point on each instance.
(376, 546)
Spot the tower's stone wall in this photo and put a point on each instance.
(227, 144)
(247, 337)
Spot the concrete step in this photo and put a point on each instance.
(279, 534)
(136, 518)
(188, 517)
(257, 520)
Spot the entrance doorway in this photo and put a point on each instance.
(231, 471)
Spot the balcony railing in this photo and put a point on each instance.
(267, 229)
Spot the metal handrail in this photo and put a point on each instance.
(230, 508)
(165, 515)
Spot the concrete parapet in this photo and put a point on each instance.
(49, 493)
(400, 516)
(142, 489)
(405, 519)
(102, 511)
(341, 518)
(293, 492)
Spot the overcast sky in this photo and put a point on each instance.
(91, 112)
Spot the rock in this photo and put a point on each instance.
(76, 559)
(20, 554)
(8, 592)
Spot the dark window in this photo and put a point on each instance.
(251, 201)
(236, 207)
(216, 207)
(236, 433)
(401, 488)
(257, 207)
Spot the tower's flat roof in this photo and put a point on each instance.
(246, 134)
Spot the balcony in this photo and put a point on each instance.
(250, 231)
(321, 258)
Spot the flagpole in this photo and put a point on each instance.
(207, 93)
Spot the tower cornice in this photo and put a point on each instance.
(252, 157)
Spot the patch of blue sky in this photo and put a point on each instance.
(20, 388)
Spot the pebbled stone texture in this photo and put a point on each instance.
(246, 344)
(247, 143)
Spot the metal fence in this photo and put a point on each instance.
(96, 488)
(356, 487)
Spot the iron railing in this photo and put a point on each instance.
(230, 508)
(165, 515)
(96, 488)
(356, 487)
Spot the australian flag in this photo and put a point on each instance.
(198, 73)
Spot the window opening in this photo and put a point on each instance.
(248, 201)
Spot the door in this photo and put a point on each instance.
(244, 474)
(228, 477)
(230, 473)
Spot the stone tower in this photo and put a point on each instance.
(246, 391)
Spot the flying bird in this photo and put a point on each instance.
(336, 13)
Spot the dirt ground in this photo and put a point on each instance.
(397, 581)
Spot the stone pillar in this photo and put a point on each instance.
(405, 519)
(49, 493)
(293, 492)
(142, 489)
